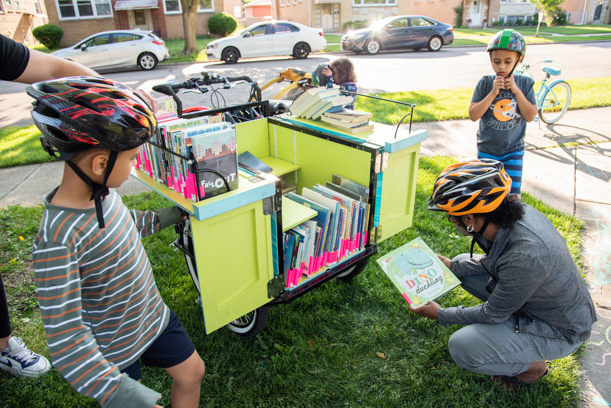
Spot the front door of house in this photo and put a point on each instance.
(326, 17)
(140, 19)
(476, 13)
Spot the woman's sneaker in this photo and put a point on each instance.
(20, 361)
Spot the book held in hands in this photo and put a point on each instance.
(418, 273)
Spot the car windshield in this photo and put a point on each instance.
(381, 23)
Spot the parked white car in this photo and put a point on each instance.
(268, 39)
(118, 49)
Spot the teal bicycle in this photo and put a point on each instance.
(553, 99)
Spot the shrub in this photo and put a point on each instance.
(49, 35)
(559, 18)
(222, 24)
(519, 22)
(355, 25)
(459, 10)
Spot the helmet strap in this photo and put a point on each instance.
(478, 234)
(98, 191)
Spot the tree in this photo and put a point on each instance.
(548, 7)
(189, 12)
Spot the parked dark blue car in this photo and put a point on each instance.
(397, 33)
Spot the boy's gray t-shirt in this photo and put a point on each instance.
(502, 128)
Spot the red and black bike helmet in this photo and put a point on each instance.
(80, 113)
(76, 114)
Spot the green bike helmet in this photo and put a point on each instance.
(508, 40)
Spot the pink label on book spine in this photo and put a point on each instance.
(409, 302)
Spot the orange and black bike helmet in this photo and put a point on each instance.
(472, 187)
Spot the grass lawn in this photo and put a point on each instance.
(481, 36)
(322, 350)
(21, 145)
(448, 104)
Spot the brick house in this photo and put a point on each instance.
(81, 18)
(331, 15)
(19, 17)
(479, 13)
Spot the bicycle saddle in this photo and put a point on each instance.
(552, 71)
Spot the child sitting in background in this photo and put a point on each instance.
(340, 71)
(100, 306)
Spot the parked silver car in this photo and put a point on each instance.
(117, 49)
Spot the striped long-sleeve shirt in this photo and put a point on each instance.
(99, 303)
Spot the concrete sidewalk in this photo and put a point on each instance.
(567, 166)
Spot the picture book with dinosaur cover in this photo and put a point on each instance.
(418, 273)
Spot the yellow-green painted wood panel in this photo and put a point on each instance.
(399, 191)
(233, 252)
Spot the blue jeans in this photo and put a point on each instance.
(497, 349)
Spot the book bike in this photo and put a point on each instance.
(234, 242)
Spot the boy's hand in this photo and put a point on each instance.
(497, 85)
(511, 85)
(327, 72)
(429, 310)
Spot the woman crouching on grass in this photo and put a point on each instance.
(535, 305)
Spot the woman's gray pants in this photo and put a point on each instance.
(497, 349)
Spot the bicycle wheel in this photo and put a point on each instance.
(556, 101)
(186, 239)
(353, 270)
(251, 323)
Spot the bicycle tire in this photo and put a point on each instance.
(251, 323)
(556, 101)
(353, 271)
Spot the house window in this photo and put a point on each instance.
(205, 6)
(16, 6)
(172, 6)
(69, 9)
(9, 6)
(374, 2)
(37, 7)
(1, 8)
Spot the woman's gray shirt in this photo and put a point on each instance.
(535, 279)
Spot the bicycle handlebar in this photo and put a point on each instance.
(527, 66)
(206, 80)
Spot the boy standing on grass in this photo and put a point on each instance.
(503, 103)
(101, 309)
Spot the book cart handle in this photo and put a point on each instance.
(410, 105)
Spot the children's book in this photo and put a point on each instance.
(350, 115)
(308, 99)
(215, 153)
(418, 273)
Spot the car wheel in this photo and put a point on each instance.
(373, 46)
(147, 61)
(230, 55)
(301, 50)
(435, 43)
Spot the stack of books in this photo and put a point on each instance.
(339, 229)
(350, 121)
(316, 101)
(194, 157)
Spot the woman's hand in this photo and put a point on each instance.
(430, 310)
(446, 261)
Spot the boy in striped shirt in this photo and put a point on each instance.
(101, 309)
